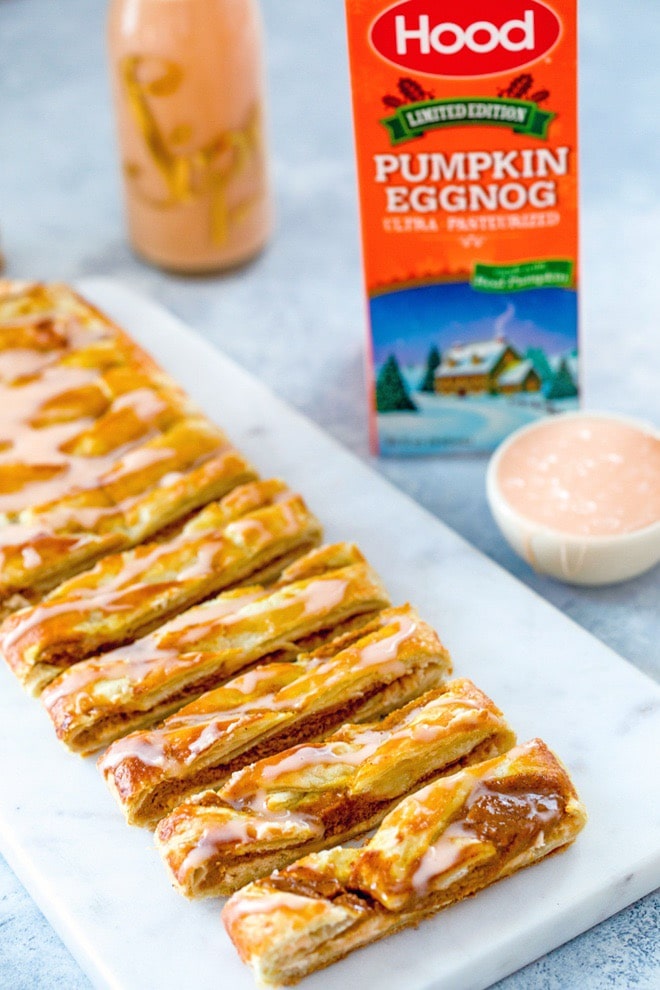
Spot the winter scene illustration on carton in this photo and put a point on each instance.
(459, 369)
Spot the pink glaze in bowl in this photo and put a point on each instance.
(578, 496)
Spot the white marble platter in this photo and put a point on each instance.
(101, 883)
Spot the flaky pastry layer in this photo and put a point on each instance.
(449, 840)
(318, 794)
(254, 532)
(104, 697)
(99, 448)
(366, 673)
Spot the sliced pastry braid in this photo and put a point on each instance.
(253, 533)
(362, 675)
(104, 697)
(99, 448)
(318, 794)
(441, 844)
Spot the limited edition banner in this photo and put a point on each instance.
(415, 119)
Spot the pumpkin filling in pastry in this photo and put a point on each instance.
(311, 796)
(369, 672)
(103, 697)
(444, 842)
(253, 533)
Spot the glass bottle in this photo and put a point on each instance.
(188, 86)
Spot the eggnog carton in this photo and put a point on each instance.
(466, 141)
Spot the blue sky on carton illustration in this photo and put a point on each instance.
(408, 321)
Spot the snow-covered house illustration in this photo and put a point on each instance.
(485, 366)
(519, 377)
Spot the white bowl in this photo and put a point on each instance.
(575, 559)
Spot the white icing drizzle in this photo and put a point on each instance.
(290, 513)
(206, 552)
(248, 683)
(27, 539)
(31, 558)
(144, 402)
(240, 905)
(170, 479)
(210, 734)
(210, 617)
(110, 581)
(144, 746)
(322, 754)
(15, 534)
(23, 362)
(364, 746)
(386, 648)
(322, 594)
(250, 530)
(104, 597)
(46, 447)
(443, 856)
(241, 829)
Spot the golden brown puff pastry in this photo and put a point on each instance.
(441, 844)
(253, 532)
(90, 429)
(51, 320)
(43, 548)
(104, 697)
(62, 424)
(366, 673)
(99, 448)
(315, 795)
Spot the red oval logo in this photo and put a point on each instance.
(472, 38)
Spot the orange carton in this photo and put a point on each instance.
(466, 139)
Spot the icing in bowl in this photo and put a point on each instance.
(578, 496)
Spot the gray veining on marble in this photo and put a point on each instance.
(60, 216)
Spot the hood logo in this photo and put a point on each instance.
(461, 42)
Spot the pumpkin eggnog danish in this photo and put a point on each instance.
(318, 794)
(105, 696)
(99, 448)
(365, 673)
(439, 845)
(253, 533)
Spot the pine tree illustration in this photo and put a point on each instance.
(391, 392)
(427, 383)
(562, 385)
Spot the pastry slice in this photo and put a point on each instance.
(253, 533)
(52, 320)
(45, 546)
(64, 422)
(99, 448)
(315, 795)
(364, 674)
(441, 844)
(95, 456)
(104, 697)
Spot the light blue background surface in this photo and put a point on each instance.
(295, 317)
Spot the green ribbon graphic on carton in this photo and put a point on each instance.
(414, 119)
(553, 273)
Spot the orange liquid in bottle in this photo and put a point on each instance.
(188, 85)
